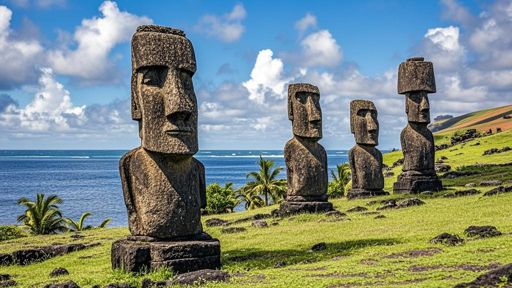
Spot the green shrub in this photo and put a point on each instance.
(11, 232)
(220, 199)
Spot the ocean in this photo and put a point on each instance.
(88, 180)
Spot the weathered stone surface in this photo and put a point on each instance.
(498, 190)
(416, 79)
(68, 284)
(409, 203)
(447, 239)
(462, 193)
(500, 277)
(335, 213)
(365, 160)
(306, 159)
(179, 256)
(6, 259)
(482, 231)
(357, 209)
(163, 185)
(259, 224)
(491, 183)
(213, 222)
(8, 283)
(59, 272)
(201, 277)
(5, 277)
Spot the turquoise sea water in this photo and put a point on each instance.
(88, 180)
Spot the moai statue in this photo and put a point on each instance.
(163, 185)
(415, 80)
(306, 159)
(365, 160)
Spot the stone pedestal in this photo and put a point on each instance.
(416, 184)
(365, 193)
(290, 208)
(178, 256)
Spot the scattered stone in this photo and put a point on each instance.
(274, 223)
(444, 158)
(27, 256)
(259, 224)
(441, 168)
(491, 183)
(388, 174)
(470, 185)
(200, 277)
(77, 236)
(496, 150)
(59, 272)
(5, 277)
(498, 190)
(499, 277)
(462, 193)
(319, 247)
(379, 217)
(230, 230)
(357, 209)
(365, 159)
(258, 216)
(8, 283)
(280, 264)
(68, 284)
(468, 135)
(398, 163)
(370, 213)
(457, 174)
(119, 285)
(410, 202)
(482, 231)
(447, 239)
(415, 253)
(335, 213)
(6, 259)
(148, 283)
(442, 147)
(214, 222)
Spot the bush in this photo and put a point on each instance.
(334, 190)
(220, 199)
(11, 232)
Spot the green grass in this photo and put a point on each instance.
(356, 249)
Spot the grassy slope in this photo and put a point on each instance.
(356, 248)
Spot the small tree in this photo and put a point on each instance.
(80, 226)
(43, 215)
(250, 197)
(264, 182)
(220, 199)
(340, 179)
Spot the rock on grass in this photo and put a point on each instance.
(498, 190)
(59, 272)
(68, 284)
(462, 193)
(231, 230)
(498, 277)
(200, 277)
(447, 239)
(213, 222)
(357, 209)
(259, 224)
(482, 231)
(319, 247)
(409, 202)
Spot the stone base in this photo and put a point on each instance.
(415, 184)
(178, 256)
(290, 208)
(364, 193)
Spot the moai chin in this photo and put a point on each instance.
(365, 160)
(415, 80)
(163, 185)
(306, 159)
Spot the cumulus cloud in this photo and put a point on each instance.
(91, 60)
(226, 28)
(454, 11)
(443, 47)
(19, 57)
(320, 49)
(267, 78)
(308, 21)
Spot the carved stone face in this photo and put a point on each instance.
(417, 107)
(363, 122)
(164, 101)
(304, 111)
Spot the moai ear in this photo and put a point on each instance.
(136, 109)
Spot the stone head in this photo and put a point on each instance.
(363, 122)
(304, 110)
(163, 98)
(417, 107)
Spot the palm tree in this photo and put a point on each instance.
(252, 200)
(80, 226)
(265, 182)
(339, 180)
(221, 199)
(42, 216)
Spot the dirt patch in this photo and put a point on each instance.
(341, 275)
(486, 250)
(424, 268)
(369, 262)
(476, 268)
(415, 253)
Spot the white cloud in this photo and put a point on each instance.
(308, 21)
(19, 58)
(51, 108)
(266, 78)
(442, 46)
(227, 28)
(320, 49)
(263, 123)
(454, 11)
(95, 38)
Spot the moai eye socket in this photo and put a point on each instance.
(154, 75)
(302, 97)
(186, 79)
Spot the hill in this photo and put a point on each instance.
(500, 117)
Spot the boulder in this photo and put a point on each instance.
(319, 247)
(230, 230)
(357, 209)
(213, 222)
(482, 231)
(498, 190)
(462, 193)
(59, 272)
(447, 239)
(410, 202)
(259, 224)
(68, 284)
(498, 277)
(491, 183)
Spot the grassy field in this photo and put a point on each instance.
(361, 252)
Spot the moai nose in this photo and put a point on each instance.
(372, 124)
(178, 104)
(424, 105)
(314, 113)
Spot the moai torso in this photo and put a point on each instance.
(418, 149)
(306, 168)
(366, 166)
(163, 194)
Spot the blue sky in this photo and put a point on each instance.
(65, 81)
